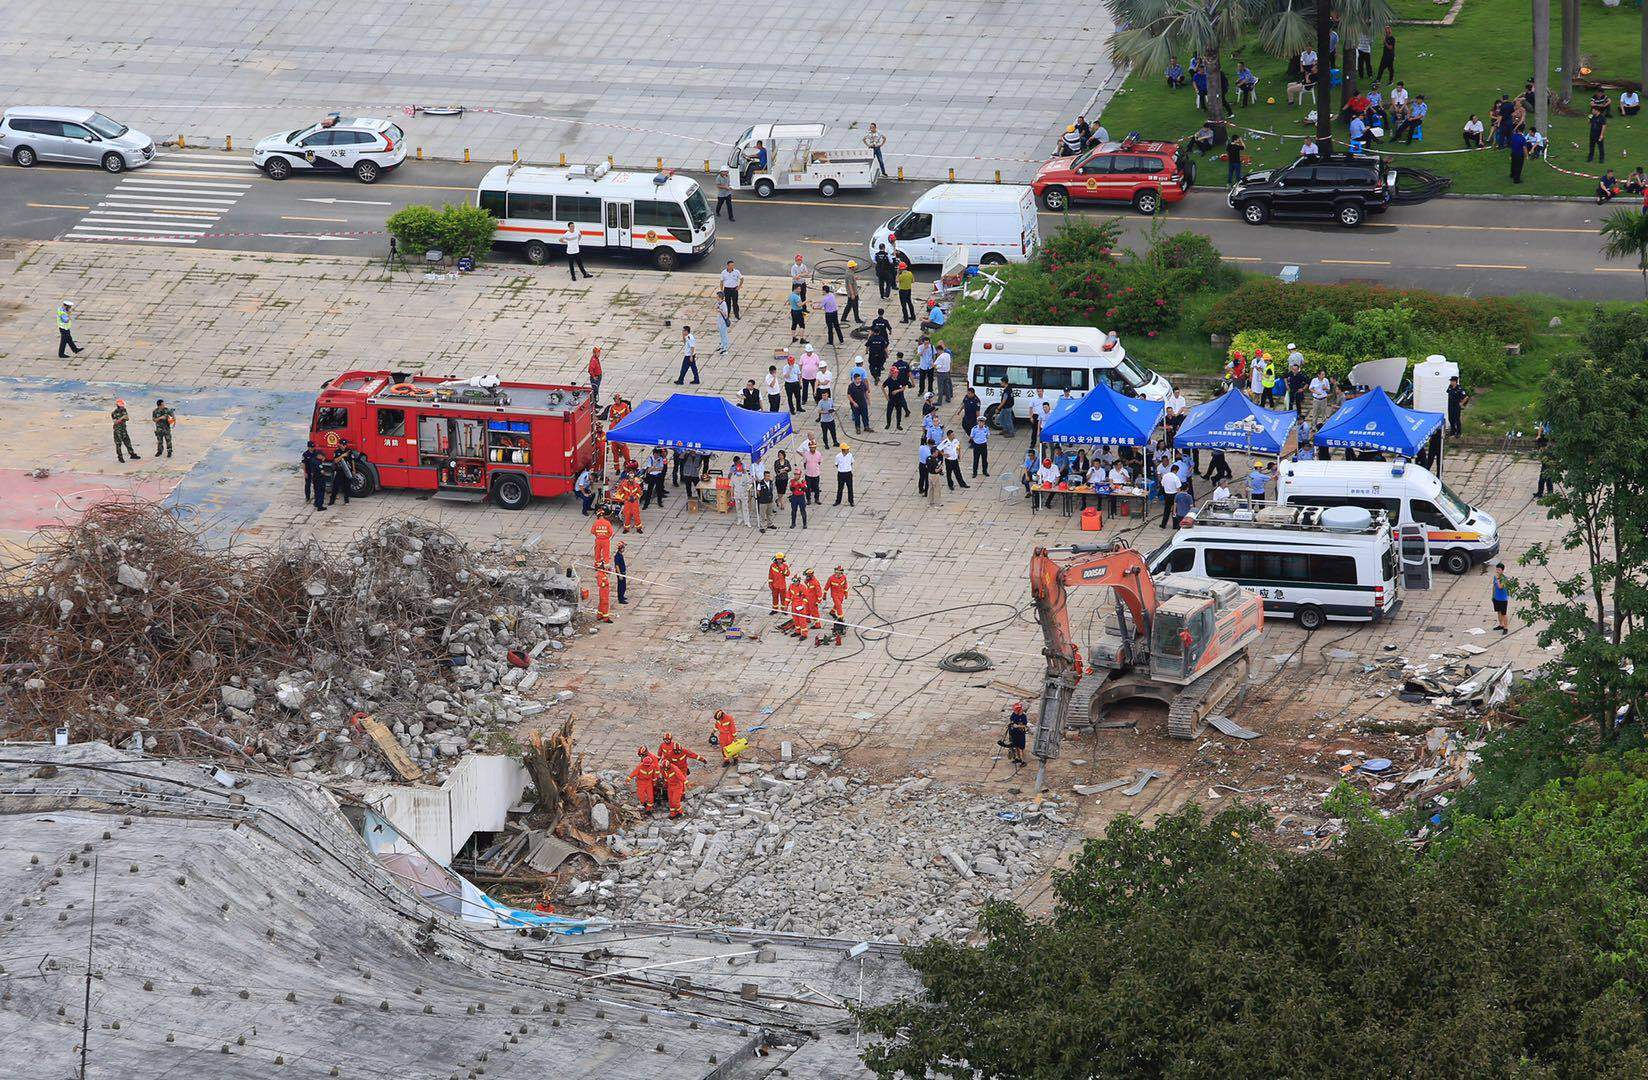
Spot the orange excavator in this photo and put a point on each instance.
(1182, 640)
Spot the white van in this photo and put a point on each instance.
(661, 217)
(1042, 362)
(992, 223)
(1460, 535)
(1312, 564)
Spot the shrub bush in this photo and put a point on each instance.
(1482, 361)
(1369, 335)
(457, 230)
(1258, 303)
(416, 229)
(1081, 241)
(1193, 253)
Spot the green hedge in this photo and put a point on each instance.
(1261, 303)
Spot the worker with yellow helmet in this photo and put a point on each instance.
(849, 290)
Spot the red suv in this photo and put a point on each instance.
(1145, 174)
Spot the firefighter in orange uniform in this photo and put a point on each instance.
(799, 623)
(603, 588)
(602, 530)
(726, 733)
(629, 491)
(778, 582)
(675, 785)
(837, 586)
(815, 595)
(673, 753)
(615, 416)
(645, 775)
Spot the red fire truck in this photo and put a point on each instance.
(463, 439)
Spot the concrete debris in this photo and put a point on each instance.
(268, 654)
(1138, 785)
(827, 854)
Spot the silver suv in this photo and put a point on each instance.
(75, 136)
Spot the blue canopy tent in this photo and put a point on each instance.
(1102, 417)
(695, 422)
(1375, 422)
(1218, 424)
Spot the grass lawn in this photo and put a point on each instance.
(1460, 69)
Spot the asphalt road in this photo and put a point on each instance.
(217, 200)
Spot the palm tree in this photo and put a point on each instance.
(1357, 17)
(1624, 235)
(1158, 29)
(1542, 63)
(1570, 47)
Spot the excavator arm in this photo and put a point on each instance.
(1114, 566)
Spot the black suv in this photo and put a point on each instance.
(1345, 187)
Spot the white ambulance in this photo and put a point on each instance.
(1460, 535)
(661, 217)
(1040, 363)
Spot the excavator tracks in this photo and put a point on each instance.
(1208, 694)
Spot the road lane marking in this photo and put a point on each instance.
(348, 202)
(429, 187)
(1354, 262)
(55, 206)
(162, 210)
(1615, 270)
(832, 243)
(1242, 258)
(1489, 266)
(286, 217)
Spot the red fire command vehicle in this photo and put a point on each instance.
(463, 439)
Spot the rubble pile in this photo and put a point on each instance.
(802, 849)
(129, 626)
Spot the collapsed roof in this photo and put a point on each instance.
(237, 928)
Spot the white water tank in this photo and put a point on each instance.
(1430, 383)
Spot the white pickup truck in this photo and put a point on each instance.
(797, 158)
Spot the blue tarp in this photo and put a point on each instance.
(1212, 426)
(1102, 417)
(702, 423)
(1375, 422)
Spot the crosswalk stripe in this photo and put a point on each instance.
(135, 239)
(180, 224)
(237, 187)
(175, 161)
(149, 205)
(199, 174)
(158, 215)
(158, 197)
(150, 229)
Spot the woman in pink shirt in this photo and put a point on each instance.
(812, 466)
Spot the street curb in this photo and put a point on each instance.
(1522, 198)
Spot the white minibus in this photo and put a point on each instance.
(662, 217)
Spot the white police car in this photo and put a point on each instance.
(362, 146)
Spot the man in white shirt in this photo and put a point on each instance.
(792, 384)
(731, 279)
(1222, 492)
(1399, 95)
(1047, 476)
(1118, 478)
(950, 447)
(844, 474)
(689, 356)
(800, 274)
(943, 364)
(775, 386)
(1321, 389)
(1295, 358)
(1169, 481)
(575, 261)
(1307, 58)
(1309, 149)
